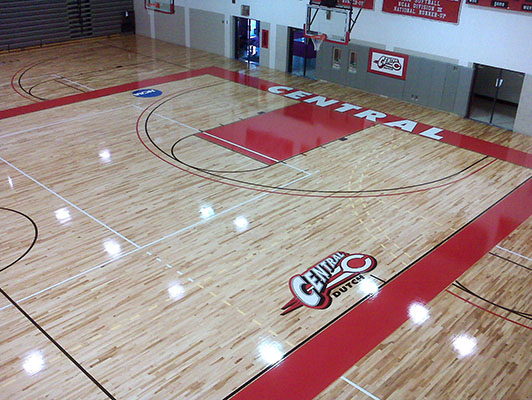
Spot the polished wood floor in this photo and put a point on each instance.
(140, 261)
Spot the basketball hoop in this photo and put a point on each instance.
(317, 40)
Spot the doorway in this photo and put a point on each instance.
(301, 56)
(247, 44)
(495, 96)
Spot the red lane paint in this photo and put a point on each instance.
(319, 362)
(488, 311)
(285, 193)
(287, 132)
(453, 138)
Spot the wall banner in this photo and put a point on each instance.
(437, 10)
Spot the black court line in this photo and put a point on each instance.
(23, 73)
(34, 240)
(214, 171)
(58, 80)
(464, 288)
(54, 342)
(80, 74)
(291, 190)
(331, 322)
(510, 261)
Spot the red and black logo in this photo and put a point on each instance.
(390, 63)
(314, 287)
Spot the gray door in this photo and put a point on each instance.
(495, 96)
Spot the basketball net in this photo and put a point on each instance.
(317, 40)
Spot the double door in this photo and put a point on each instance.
(495, 96)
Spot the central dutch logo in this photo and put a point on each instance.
(314, 287)
(391, 63)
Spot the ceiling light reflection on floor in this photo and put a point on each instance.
(271, 352)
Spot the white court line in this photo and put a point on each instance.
(360, 388)
(514, 253)
(30, 78)
(241, 147)
(217, 215)
(169, 119)
(71, 278)
(62, 121)
(143, 247)
(73, 82)
(262, 155)
(71, 204)
(228, 142)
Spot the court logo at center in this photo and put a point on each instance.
(316, 285)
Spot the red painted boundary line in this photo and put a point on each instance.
(95, 94)
(319, 362)
(449, 137)
(488, 311)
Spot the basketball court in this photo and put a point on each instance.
(179, 226)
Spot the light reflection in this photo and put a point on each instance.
(112, 247)
(206, 212)
(105, 155)
(33, 363)
(418, 313)
(367, 286)
(63, 215)
(176, 291)
(271, 352)
(241, 223)
(10, 181)
(464, 344)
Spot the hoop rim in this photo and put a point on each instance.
(318, 36)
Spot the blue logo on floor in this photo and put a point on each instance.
(147, 93)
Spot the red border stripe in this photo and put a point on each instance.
(319, 362)
(456, 139)
(95, 94)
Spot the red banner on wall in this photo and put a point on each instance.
(514, 5)
(369, 4)
(438, 10)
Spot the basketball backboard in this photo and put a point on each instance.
(332, 21)
(333, 18)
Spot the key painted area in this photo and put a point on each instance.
(287, 132)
